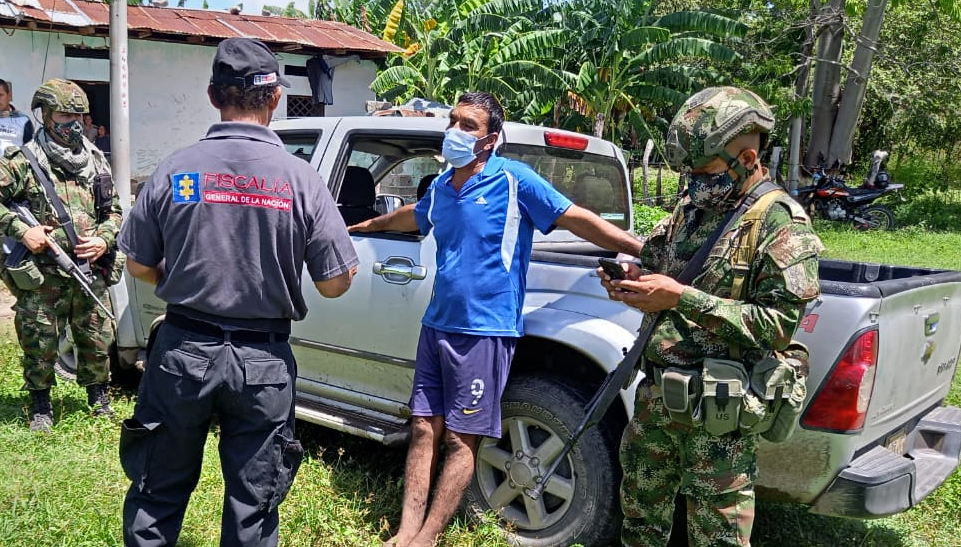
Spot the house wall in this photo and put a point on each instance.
(168, 100)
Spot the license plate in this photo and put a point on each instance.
(896, 442)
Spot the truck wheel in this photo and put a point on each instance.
(878, 217)
(66, 365)
(580, 504)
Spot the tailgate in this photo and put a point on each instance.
(919, 343)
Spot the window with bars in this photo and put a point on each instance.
(299, 106)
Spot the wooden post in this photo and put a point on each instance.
(647, 156)
(659, 200)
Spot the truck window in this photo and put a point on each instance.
(301, 145)
(592, 181)
(396, 163)
(383, 173)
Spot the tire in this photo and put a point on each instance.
(580, 504)
(878, 217)
(66, 365)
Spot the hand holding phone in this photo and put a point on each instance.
(612, 268)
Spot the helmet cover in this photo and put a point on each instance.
(709, 120)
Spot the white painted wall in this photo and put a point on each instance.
(168, 82)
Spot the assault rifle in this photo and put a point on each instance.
(616, 380)
(84, 278)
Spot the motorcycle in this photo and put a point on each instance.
(830, 198)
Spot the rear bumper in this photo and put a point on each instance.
(881, 482)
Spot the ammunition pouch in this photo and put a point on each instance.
(726, 384)
(681, 394)
(18, 268)
(780, 390)
(724, 397)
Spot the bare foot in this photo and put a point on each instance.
(400, 540)
(421, 541)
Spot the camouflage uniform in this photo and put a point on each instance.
(41, 315)
(660, 457)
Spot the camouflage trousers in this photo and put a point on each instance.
(660, 458)
(43, 314)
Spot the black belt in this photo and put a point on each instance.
(209, 329)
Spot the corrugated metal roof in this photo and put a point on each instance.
(195, 26)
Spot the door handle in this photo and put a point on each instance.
(400, 270)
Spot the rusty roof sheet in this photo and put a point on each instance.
(195, 26)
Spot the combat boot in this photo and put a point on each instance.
(41, 415)
(99, 398)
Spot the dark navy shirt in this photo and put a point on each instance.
(235, 217)
(484, 236)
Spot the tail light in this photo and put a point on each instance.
(842, 402)
(561, 140)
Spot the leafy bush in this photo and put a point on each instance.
(645, 217)
(921, 175)
(932, 210)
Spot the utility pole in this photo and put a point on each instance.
(119, 103)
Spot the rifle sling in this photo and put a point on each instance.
(65, 221)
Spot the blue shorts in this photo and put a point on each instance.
(462, 377)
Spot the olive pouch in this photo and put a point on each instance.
(26, 275)
(19, 269)
(782, 390)
(725, 386)
(681, 395)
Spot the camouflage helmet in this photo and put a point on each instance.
(709, 120)
(61, 96)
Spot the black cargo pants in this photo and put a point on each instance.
(189, 377)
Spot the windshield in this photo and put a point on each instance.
(594, 182)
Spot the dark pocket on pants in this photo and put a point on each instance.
(292, 455)
(271, 472)
(136, 450)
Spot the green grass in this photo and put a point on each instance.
(909, 246)
(66, 489)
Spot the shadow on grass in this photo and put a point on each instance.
(360, 468)
(777, 525)
(16, 405)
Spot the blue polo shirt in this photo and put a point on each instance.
(484, 235)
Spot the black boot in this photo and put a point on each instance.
(99, 398)
(41, 415)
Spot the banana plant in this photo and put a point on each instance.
(631, 61)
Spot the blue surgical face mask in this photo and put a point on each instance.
(708, 190)
(458, 148)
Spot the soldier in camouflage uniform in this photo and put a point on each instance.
(716, 137)
(72, 164)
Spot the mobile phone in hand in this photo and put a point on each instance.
(612, 268)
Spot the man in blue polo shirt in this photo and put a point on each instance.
(483, 213)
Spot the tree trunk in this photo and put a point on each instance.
(852, 98)
(827, 81)
(801, 87)
(599, 125)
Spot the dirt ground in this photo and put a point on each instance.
(6, 303)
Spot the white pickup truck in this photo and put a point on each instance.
(874, 439)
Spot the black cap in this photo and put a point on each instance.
(246, 62)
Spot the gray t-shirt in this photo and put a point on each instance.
(235, 217)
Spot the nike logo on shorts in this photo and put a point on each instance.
(469, 411)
